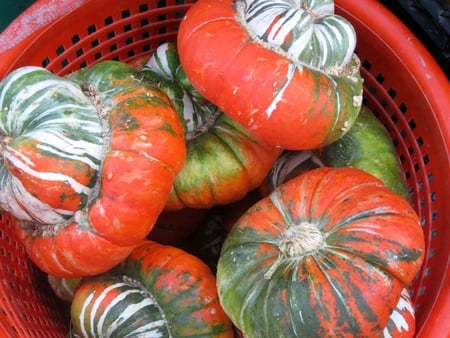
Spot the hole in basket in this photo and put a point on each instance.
(433, 234)
(143, 8)
(127, 28)
(402, 107)
(380, 78)
(94, 43)
(79, 52)
(60, 49)
(126, 13)
(97, 56)
(91, 29)
(64, 63)
(76, 38)
(412, 124)
(113, 47)
(431, 253)
(419, 141)
(129, 41)
(392, 92)
(434, 216)
(110, 35)
(366, 65)
(109, 20)
(433, 196)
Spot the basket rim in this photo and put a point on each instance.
(424, 69)
(422, 66)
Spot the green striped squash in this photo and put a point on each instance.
(51, 146)
(158, 291)
(73, 151)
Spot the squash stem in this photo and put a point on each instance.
(297, 241)
(301, 239)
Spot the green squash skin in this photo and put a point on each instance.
(368, 146)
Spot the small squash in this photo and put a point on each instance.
(285, 70)
(158, 291)
(326, 254)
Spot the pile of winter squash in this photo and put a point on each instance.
(232, 183)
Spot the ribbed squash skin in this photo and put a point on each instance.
(126, 147)
(224, 160)
(51, 146)
(286, 98)
(318, 258)
(158, 291)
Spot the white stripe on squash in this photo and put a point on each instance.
(307, 31)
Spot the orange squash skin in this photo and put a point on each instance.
(246, 79)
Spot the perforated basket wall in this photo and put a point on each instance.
(403, 85)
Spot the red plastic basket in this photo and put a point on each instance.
(403, 85)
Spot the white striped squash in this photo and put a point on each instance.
(73, 149)
(51, 146)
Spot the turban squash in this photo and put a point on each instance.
(87, 163)
(158, 291)
(286, 70)
(326, 254)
